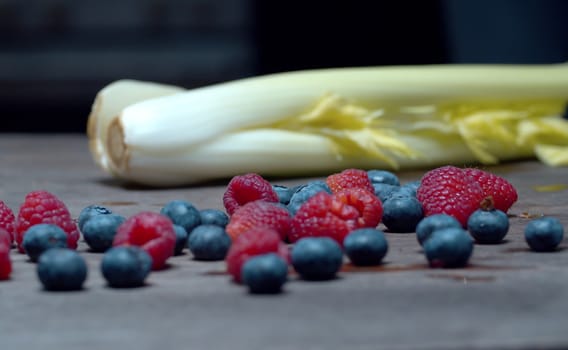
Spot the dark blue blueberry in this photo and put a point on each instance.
(41, 237)
(448, 248)
(214, 217)
(99, 231)
(365, 246)
(402, 214)
(317, 258)
(305, 192)
(126, 266)
(265, 274)
(181, 239)
(61, 269)
(544, 234)
(432, 223)
(383, 176)
(384, 191)
(89, 212)
(182, 213)
(284, 193)
(488, 226)
(406, 190)
(209, 242)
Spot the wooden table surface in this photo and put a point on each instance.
(509, 298)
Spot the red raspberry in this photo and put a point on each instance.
(260, 214)
(5, 238)
(247, 188)
(349, 178)
(256, 241)
(7, 220)
(503, 192)
(42, 207)
(152, 232)
(336, 215)
(5, 262)
(449, 190)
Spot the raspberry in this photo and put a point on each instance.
(256, 241)
(336, 215)
(503, 192)
(350, 178)
(42, 207)
(5, 262)
(260, 214)
(449, 190)
(152, 232)
(247, 188)
(5, 238)
(7, 220)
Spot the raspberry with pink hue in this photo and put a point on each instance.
(503, 192)
(247, 188)
(7, 220)
(260, 214)
(336, 215)
(253, 242)
(43, 207)
(349, 178)
(5, 262)
(450, 190)
(152, 232)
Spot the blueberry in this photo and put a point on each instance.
(214, 217)
(449, 247)
(99, 231)
(412, 185)
(384, 191)
(383, 176)
(432, 223)
(89, 212)
(181, 239)
(405, 191)
(61, 269)
(265, 274)
(365, 246)
(126, 266)
(182, 213)
(304, 192)
(284, 193)
(41, 237)
(209, 242)
(544, 234)
(317, 258)
(402, 214)
(488, 226)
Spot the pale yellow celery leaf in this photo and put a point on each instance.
(551, 130)
(552, 155)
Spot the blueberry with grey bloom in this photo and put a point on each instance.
(305, 192)
(365, 246)
(126, 266)
(61, 269)
(89, 212)
(41, 237)
(181, 239)
(182, 213)
(317, 258)
(265, 274)
(383, 176)
(488, 226)
(544, 234)
(402, 214)
(209, 242)
(99, 231)
(449, 248)
(284, 193)
(214, 217)
(384, 191)
(432, 223)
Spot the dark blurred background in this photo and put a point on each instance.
(56, 54)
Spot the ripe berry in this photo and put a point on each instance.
(213, 217)
(488, 225)
(151, 231)
(502, 191)
(7, 221)
(544, 234)
(349, 179)
(432, 223)
(5, 262)
(402, 213)
(41, 237)
(265, 274)
(260, 214)
(247, 188)
(384, 191)
(209, 242)
(383, 176)
(42, 207)
(61, 269)
(89, 212)
(448, 248)
(284, 193)
(451, 191)
(365, 246)
(317, 258)
(99, 231)
(304, 192)
(256, 241)
(182, 213)
(181, 239)
(5, 238)
(126, 267)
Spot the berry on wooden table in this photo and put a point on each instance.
(90, 211)
(488, 225)
(61, 269)
(213, 217)
(448, 248)
(349, 179)
(99, 231)
(182, 213)
(7, 220)
(41, 237)
(544, 234)
(377, 176)
(247, 188)
(260, 213)
(366, 246)
(209, 242)
(265, 274)
(181, 239)
(502, 191)
(126, 266)
(432, 223)
(317, 258)
(5, 262)
(402, 213)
